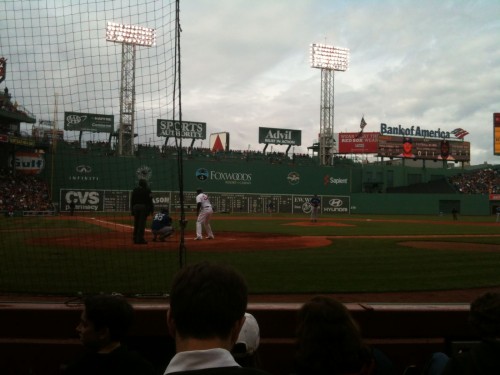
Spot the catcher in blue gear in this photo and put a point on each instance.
(162, 225)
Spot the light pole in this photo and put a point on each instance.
(329, 59)
(129, 36)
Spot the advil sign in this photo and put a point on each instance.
(280, 136)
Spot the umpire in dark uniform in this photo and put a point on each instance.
(141, 204)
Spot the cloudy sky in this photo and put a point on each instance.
(433, 64)
(245, 63)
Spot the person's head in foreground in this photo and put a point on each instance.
(207, 307)
(328, 339)
(484, 315)
(104, 322)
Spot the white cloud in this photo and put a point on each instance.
(245, 64)
(427, 63)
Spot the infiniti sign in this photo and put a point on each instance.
(84, 169)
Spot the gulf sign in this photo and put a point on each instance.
(29, 162)
(355, 143)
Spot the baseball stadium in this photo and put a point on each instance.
(408, 232)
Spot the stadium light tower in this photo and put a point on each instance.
(130, 36)
(329, 59)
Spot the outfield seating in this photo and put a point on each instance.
(40, 338)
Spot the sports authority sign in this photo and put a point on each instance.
(355, 143)
(186, 129)
(280, 136)
(88, 122)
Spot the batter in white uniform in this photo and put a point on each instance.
(204, 211)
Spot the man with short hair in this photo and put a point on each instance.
(103, 325)
(207, 310)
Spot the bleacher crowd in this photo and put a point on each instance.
(21, 192)
(483, 181)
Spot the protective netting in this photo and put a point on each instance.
(79, 129)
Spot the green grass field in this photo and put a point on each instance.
(364, 262)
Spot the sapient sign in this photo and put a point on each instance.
(329, 180)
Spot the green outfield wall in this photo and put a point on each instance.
(419, 204)
(103, 183)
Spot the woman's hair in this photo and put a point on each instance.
(328, 339)
(110, 311)
(484, 315)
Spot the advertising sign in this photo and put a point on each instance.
(355, 143)
(496, 133)
(29, 162)
(186, 129)
(85, 200)
(336, 204)
(280, 136)
(219, 142)
(88, 122)
(423, 148)
(330, 204)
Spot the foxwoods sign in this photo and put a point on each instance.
(413, 131)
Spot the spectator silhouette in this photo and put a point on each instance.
(482, 358)
(207, 310)
(329, 341)
(103, 325)
(245, 349)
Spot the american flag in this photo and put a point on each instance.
(362, 126)
(460, 133)
(363, 123)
